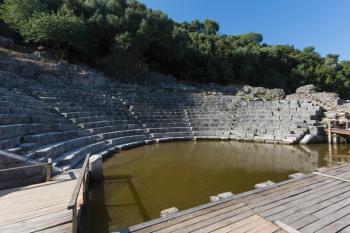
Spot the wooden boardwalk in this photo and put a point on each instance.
(318, 202)
(38, 208)
(340, 132)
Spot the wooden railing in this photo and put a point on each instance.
(25, 175)
(343, 122)
(47, 167)
(331, 127)
(79, 192)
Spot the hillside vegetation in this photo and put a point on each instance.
(127, 39)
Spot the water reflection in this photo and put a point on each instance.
(338, 153)
(139, 183)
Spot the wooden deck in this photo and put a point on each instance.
(341, 132)
(38, 208)
(318, 202)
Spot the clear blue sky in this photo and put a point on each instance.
(324, 24)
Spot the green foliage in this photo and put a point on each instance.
(16, 12)
(62, 30)
(126, 39)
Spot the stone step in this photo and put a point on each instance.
(72, 158)
(65, 106)
(149, 117)
(101, 118)
(124, 133)
(7, 119)
(169, 129)
(161, 121)
(10, 143)
(211, 122)
(170, 134)
(23, 111)
(116, 125)
(91, 107)
(112, 128)
(167, 124)
(18, 104)
(73, 115)
(159, 112)
(213, 128)
(128, 139)
(216, 133)
(10, 131)
(50, 137)
(49, 119)
(55, 149)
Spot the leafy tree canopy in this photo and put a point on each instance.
(125, 37)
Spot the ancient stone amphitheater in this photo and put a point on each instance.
(66, 124)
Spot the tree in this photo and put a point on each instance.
(61, 31)
(211, 27)
(126, 38)
(16, 12)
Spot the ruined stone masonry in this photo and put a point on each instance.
(46, 112)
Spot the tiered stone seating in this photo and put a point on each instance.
(211, 117)
(163, 116)
(68, 124)
(105, 117)
(30, 128)
(284, 121)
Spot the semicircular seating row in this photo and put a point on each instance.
(68, 124)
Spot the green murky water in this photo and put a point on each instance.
(141, 182)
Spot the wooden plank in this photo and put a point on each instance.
(35, 195)
(40, 207)
(306, 220)
(280, 194)
(296, 200)
(265, 227)
(248, 227)
(219, 222)
(283, 198)
(15, 191)
(309, 205)
(19, 217)
(239, 207)
(28, 198)
(330, 209)
(238, 224)
(63, 228)
(345, 230)
(37, 224)
(326, 220)
(8, 191)
(182, 218)
(337, 226)
(294, 184)
(340, 131)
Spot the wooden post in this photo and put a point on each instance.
(48, 170)
(329, 132)
(75, 219)
(330, 152)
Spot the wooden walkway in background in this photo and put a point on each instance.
(314, 203)
(338, 131)
(38, 208)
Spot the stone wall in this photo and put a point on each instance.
(327, 100)
(276, 121)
